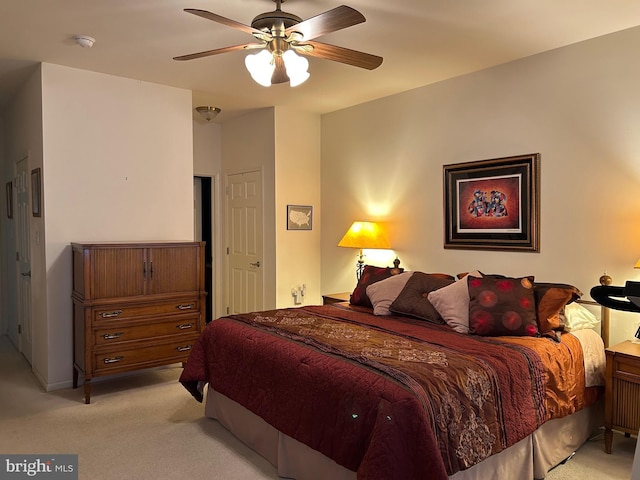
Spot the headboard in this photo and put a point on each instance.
(605, 312)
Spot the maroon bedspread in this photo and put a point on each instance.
(387, 397)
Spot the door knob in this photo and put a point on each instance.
(28, 274)
(255, 264)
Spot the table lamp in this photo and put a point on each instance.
(363, 235)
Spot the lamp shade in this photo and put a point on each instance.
(637, 265)
(261, 67)
(364, 235)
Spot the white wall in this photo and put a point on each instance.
(207, 162)
(207, 148)
(297, 180)
(578, 106)
(118, 165)
(248, 144)
(23, 137)
(283, 144)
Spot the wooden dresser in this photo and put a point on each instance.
(135, 305)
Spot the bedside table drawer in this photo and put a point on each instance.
(627, 368)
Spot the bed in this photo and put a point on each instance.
(390, 386)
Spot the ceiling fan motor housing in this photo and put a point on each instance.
(277, 20)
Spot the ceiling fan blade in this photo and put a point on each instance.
(343, 55)
(217, 51)
(223, 20)
(280, 73)
(327, 22)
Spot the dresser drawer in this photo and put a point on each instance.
(143, 356)
(165, 326)
(102, 315)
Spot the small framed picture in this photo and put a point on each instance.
(299, 217)
(36, 192)
(9, 200)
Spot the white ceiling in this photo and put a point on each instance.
(422, 42)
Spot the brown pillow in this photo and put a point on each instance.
(502, 306)
(413, 301)
(370, 274)
(551, 298)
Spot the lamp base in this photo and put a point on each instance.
(396, 267)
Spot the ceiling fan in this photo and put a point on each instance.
(281, 36)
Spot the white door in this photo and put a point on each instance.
(244, 247)
(23, 256)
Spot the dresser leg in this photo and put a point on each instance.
(608, 439)
(87, 392)
(75, 377)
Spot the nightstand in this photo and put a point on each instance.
(622, 394)
(330, 298)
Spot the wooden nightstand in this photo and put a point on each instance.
(622, 395)
(330, 298)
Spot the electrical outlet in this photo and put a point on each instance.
(295, 293)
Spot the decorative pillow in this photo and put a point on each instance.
(452, 303)
(413, 301)
(578, 317)
(370, 274)
(551, 298)
(502, 306)
(383, 293)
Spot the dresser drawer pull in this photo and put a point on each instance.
(186, 348)
(184, 326)
(188, 306)
(113, 360)
(115, 313)
(111, 336)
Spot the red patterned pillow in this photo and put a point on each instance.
(370, 274)
(502, 306)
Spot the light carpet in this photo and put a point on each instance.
(146, 426)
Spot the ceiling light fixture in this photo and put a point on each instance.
(85, 41)
(262, 65)
(207, 112)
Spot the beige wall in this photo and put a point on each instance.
(578, 106)
(284, 145)
(297, 179)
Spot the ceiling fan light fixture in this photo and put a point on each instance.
(207, 112)
(296, 67)
(261, 67)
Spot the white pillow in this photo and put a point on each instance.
(452, 303)
(577, 317)
(383, 293)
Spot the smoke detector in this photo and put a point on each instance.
(84, 41)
